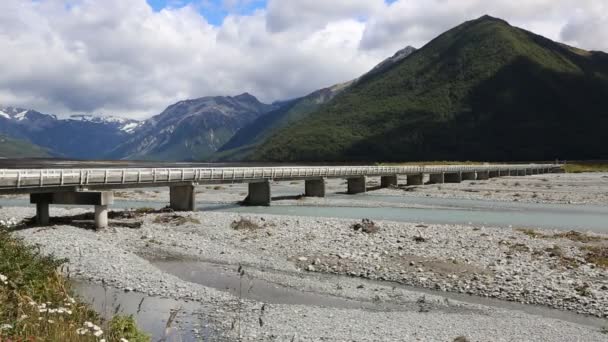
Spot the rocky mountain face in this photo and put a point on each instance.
(484, 90)
(242, 145)
(191, 129)
(80, 136)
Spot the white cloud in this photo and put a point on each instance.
(116, 56)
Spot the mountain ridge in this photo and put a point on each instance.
(450, 98)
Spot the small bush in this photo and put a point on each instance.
(245, 224)
(367, 226)
(175, 220)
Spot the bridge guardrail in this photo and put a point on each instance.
(41, 178)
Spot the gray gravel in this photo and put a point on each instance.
(495, 262)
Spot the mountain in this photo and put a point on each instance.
(484, 90)
(250, 136)
(13, 148)
(244, 143)
(79, 136)
(191, 129)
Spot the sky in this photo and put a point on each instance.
(133, 58)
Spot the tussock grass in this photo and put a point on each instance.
(578, 168)
(37, 304)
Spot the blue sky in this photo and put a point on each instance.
(213, 10)
(216, 10)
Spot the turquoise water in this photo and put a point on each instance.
(448, 211)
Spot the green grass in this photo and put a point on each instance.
(585, 167)
(37, 304)
(14, 148)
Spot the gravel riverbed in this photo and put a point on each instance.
(491, 261)
(360, 262)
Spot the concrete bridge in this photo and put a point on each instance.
(94, 186)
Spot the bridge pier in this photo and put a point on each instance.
(436, 178)
(182, 198)
(453, 177)
(388, 181)
(99, 199)
(416, 179)
(468, 175)
(259, 194)
(493, 174)
(483, 175)
(314, 187)
(43, 216)
(356, 185)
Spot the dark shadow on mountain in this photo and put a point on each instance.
(524, 112)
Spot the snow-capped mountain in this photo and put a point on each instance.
(191, 129)
(79, 136)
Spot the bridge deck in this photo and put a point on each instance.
(41, 180)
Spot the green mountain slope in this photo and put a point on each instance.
(14, 148)
(244, 142)
(484, 90)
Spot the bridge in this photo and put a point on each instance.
(94, 186)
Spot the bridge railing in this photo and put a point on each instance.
(39, 178)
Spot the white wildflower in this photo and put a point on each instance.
(5, 327)
(52, 311)
(32, 303)
(3, 279)
(42, 310)
(69, 312)
(98, 333)
(81, 331)
(102, 340)
(96, 328)
(88, 324)
(124, 340)
(51, 321)
(24, 317)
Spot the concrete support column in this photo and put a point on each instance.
(314, 187)
(415, 179)
(42, 213)
(259, 194)
(101, 216)
(483, 175)
(436, 178)
(356, 185)
(493, 174)
(468, 175)
(182, 198)
(388, 181)
(453, 177)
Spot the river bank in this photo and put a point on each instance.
(548, 269)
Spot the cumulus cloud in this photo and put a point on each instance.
(122, 57)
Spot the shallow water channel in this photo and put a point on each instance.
(152, 313)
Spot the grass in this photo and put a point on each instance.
(37, 304)
(175, 220)
(570, 235)
(586, 167)
(597, 255)
(245, 224)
